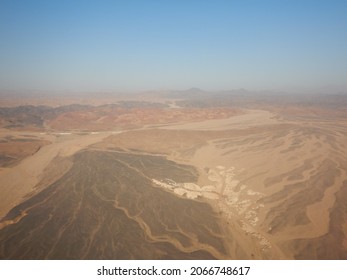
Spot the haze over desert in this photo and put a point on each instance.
(210, 131)
(184, 178)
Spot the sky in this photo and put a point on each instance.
(130, 45)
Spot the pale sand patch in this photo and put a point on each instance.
(208, 188)
(319, 215)
(234, 204)
(258, 157)
(249, 119)
(17, 182)
(210, 195)
(189, 190)
(192, 187)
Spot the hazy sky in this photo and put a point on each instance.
(143, 45)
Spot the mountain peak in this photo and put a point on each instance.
(194, 90)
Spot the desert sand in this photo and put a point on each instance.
(268, 181)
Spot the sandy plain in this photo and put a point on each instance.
(18, 181)
(270, 182)
(277, 180)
